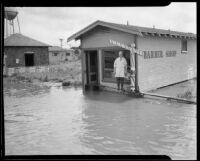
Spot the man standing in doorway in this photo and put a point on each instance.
(120, 70)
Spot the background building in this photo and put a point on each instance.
(22, 51)
(59, 55)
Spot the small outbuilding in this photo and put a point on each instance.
(59, 55)
(159, 57)
(23, 51)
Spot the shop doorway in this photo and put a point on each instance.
(29, 59)
(91, 68)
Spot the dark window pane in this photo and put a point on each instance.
(92, 68)
(109, 58)
(110, 54)
(93, 62)
(109, 62)
(67, 54)
(108, 74)
(93, 77)
(55, 54)
(184, 45)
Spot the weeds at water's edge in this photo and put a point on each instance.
(187, 94)
(65, 82)
(68, 74)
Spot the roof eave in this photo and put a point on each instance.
(74, 36)
(77, 35)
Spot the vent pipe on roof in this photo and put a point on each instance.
(153, 26)
(127, 23)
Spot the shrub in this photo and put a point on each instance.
(45, 79)
(187, 94)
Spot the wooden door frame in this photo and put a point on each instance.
(87, 62)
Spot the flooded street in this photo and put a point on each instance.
(61, 120)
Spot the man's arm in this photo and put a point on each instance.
(125, 67)
(115, 67)
(125, 70)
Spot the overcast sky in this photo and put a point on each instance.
(48, 24)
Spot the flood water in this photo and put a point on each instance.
(43, 120)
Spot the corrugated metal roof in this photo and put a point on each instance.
(154, 30)
(133, 30)
(21, 40)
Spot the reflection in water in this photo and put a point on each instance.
(57, 120)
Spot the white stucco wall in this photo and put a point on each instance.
(158, 72)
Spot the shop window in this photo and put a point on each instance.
(55, 54)
(183, 46)
(76, 52)
(67, 54)
(108, 57)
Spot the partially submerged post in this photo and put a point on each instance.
(136, 73)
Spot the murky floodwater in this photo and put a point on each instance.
(57, 120)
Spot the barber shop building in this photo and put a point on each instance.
(164, 57)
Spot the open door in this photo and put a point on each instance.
(29, 59)
(91, 68)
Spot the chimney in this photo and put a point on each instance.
(127, 23)
(153, 26)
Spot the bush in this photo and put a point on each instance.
(187, 94)
(45, 79)
(66, 83)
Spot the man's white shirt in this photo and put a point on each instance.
(120, 66)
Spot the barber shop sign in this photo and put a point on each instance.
(145, 54)
(131, 47)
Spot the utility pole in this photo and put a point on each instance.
(18, 24)
(61, 40)
(127, 23)
(13, 26)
